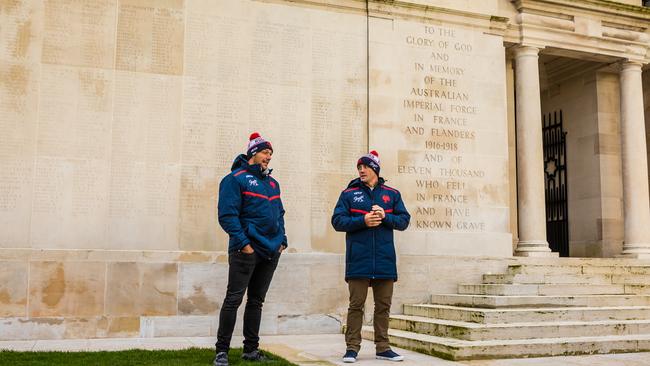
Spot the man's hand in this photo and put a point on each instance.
(372, 219)
(248, 249)
(379, 211)
(282, 248)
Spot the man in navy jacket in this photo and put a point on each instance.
(251, 212)
(368, 211)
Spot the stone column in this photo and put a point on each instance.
(512, 150)
(635, 168)
(530, 156)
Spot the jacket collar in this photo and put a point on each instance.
(357, 183)
(255, 169)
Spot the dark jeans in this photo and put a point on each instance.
(246, 271)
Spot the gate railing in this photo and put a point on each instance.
(555, 172)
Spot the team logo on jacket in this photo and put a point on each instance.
(358, 199)
(253, 182)
(273, 184)
(385, 198)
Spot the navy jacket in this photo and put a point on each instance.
(250, 209)
(369, 252)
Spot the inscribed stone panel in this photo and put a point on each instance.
(215, 129)
(72, 166)
(199, 228)
(18, 119)
(217, 45)
(145, 169)
(75, 108)
(215, 113)
(338, 116)
(438, 118)
(21, 36)
(150, 36)
(70, 207)
(279, 92)
(80, 33)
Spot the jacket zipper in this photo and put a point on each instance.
(266, 181)
(374, 254)
(374, 249)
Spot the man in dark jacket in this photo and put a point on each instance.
(251, 212)
(368, 211)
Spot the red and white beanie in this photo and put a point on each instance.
(256, 144)
(370, 160)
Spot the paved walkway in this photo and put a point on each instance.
(317, 350)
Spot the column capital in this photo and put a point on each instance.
(524, 50)
(630, 65)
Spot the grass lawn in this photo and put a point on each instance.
(192, 356)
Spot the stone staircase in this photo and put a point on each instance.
(533, 311)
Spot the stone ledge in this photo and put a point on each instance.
(107, 255)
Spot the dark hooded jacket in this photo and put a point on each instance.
(369, 251)
(250, 209)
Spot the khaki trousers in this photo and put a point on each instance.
(382, 292)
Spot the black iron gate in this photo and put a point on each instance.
(557, 212)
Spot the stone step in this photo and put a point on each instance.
(637, 289)
(528, 330)
(456, 349)
(616, 270)
(631, 279)
(579, 269)
(541, 278)
(568, 261)
(492, 301)
(540, 290)
(519, 315)
(544, 269)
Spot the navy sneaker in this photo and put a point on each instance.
(255, 355)
(350, 356)
(389, 355)
(221, 359)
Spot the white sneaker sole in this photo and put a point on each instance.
(395, 359)
(349, 360)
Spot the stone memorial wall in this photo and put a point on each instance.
(119, 118)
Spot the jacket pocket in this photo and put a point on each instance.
(386, 252)
(352, 250)
(358, 252)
